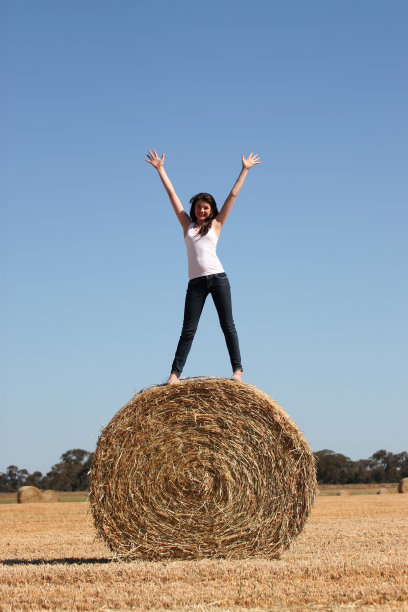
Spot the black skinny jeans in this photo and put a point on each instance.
(198, 289)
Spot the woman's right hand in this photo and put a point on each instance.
(153, 159)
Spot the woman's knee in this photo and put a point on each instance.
(188, 332)
(228, 327)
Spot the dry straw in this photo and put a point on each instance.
(49, 496)
(403, 485)
(206, 468)
(26, 495)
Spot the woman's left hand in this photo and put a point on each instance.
(250, 161)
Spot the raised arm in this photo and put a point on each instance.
(157, 162)
(247, 163)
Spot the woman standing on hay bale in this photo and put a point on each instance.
(205, 272)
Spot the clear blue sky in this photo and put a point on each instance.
(94, 268)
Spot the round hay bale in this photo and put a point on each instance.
(27, 495)
(207, 468)
(403, 485)
(49, 496)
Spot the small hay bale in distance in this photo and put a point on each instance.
(49, 497)
(27, 495)
(207, 468)
(403, 485)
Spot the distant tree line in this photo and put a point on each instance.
(71, 473)
(382, 466)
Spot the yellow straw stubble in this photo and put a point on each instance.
(207, 468)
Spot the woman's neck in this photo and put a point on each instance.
(198, 224)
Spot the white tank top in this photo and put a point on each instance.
(201, 253)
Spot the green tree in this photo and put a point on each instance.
(71, 473)
(34, 480)
(333, 468)
(402, 463)
(12, 479)
(3, 482)
(387, 467)
(360, 472)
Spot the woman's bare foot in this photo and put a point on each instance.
(172, 379)
(237, 375)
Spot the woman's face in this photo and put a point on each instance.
(202, 211)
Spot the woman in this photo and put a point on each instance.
(206, 274)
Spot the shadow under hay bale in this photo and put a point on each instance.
(403, 485)
(49, 496)
(205, 468)
(27, 495)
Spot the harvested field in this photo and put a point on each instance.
(353, 553)
(357, 489)
(64, 496)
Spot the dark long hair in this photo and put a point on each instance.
(214, 211)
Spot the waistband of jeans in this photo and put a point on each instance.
(208, 276)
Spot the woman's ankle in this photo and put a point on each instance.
(173, 378)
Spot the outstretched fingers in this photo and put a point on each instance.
(255, 158)
(153, 159)
(251, 160)
(151, 155)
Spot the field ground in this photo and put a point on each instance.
(66, 496)
(358, 489)
(353, 554)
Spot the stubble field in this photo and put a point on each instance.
(352, 554)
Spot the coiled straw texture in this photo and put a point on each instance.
(208, 468)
